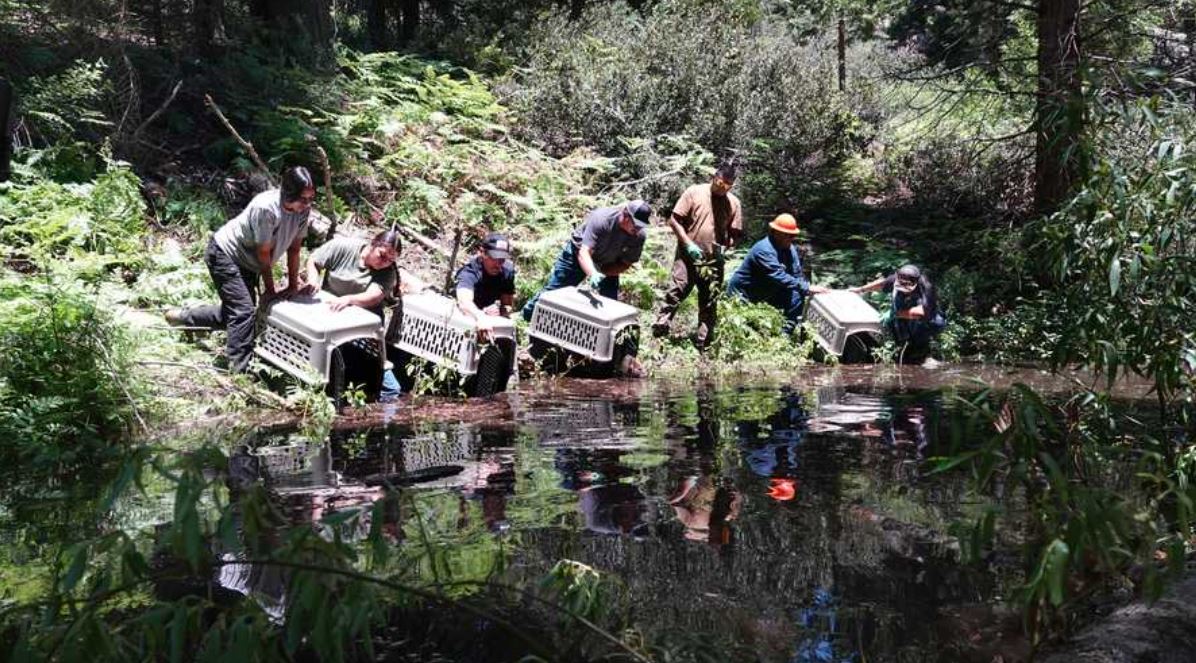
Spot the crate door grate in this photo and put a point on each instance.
(288, 347)
(569, 329)
(436, 340)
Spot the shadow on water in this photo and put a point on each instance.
(787, 524)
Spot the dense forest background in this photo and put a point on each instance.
(1033, 155)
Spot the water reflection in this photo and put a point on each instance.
(796, 523)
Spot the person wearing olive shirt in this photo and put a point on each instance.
(359, 272)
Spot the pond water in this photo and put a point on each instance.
(791, 520)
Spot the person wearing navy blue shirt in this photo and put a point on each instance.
(771, 273)
(486, 284)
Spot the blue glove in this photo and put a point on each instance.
(693, 251)
(595, 280)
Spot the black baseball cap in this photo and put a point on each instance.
(640, 211)
(497, 246)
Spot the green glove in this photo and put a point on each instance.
(595, 280)
(693, 251)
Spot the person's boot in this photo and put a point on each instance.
(174, 317)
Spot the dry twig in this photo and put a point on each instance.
(246, 145)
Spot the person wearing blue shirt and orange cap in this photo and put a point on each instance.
(607, 244)
(771, 273)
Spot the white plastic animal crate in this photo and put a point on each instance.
(436, 330)
(582, 322)
(839, 315)
(301, 334)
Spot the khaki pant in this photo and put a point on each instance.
(707, 275)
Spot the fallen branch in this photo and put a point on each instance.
(161, 109)
(246, 145)
(448, 277)
(420, 239)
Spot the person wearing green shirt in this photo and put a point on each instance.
(359, 272)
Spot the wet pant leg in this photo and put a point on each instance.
(790, 304)
(709, 281)
(681, 283)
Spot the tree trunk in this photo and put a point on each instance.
(5, 130)
(1188, 24)
(1059, 109)
(156, 23)
(207, 20)
(310, 18)
(842, 56)
(408, 20)
(376, 23)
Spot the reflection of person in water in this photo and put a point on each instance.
(607, 504)
(776, 458)
(706, 505)
(822, 639)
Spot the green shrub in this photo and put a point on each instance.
(725, 76)
(45, 221)
(66, 380)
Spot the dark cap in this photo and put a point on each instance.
(907, 278)
(640, 212)
(497, 246)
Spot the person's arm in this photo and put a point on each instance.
(913, 313)
(506, 304)
(869, 287)
(682, 236)
(370, 298)
(293, 266)
(465, 303)
(771, 266)
(265, 258)
(586, 260)
(312, 273)
(735, 231)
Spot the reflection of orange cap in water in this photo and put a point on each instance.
(782, 490)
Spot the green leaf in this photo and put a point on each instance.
(1114, 276)
(75, 571)
(1056, 570)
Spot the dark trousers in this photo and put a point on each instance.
(567, 271)
(708, 277)
(237, 308)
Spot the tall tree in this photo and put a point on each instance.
(378, 13)
(408, 20)
(207, 20)
(5, 133)
(1059, 106)
(312, 18)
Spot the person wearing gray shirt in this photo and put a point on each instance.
(242, 252)
(609, 242)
